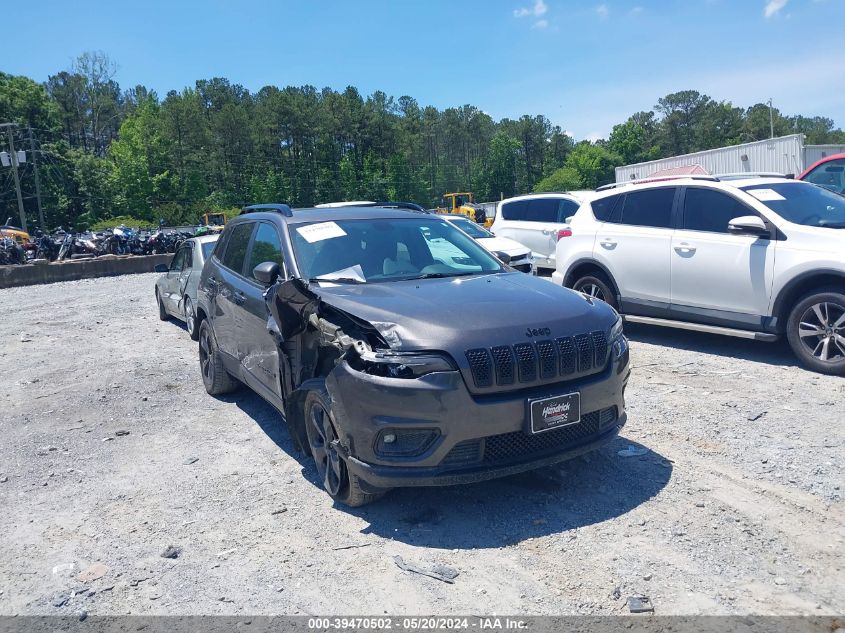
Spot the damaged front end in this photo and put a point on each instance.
(314, 337)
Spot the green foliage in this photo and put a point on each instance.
(633, 142)
(26, 103)
(106, 153)
(563, 179)
(111, 223)
(594, 164)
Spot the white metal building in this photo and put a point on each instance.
(783, 155)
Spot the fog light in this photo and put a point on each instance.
(405, 442)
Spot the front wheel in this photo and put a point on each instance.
(596, 286)
(816, 332)
(342, 485)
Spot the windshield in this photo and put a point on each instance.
(471, 228)
(362, 251)
(802, 203)
(830, 175)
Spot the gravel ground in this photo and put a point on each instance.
(112, 452)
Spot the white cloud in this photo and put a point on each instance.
(773, 7)
(539, 8)
(602, 11)
(540, 24)
(635, 11)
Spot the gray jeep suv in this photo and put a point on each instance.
(402, 353)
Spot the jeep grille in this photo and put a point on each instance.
(539, 361)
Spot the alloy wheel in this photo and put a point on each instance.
(592, 290)
(189, 315)
(321, 438)
(205, 355)
(822, 331)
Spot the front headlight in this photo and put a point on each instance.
(618, 342)
(616, 330)
(405, 364)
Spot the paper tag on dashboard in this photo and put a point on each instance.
(321, 231)
(765, 195)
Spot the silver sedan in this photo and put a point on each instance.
(176, 289)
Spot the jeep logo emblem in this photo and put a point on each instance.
(540, 331)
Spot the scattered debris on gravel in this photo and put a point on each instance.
(734, 507)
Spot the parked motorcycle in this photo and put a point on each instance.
(43, 246)
(11, 252)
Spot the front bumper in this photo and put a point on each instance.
(524, 264)
(478, 437)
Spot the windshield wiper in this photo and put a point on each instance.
(832, 225)
(338, 280)
(443, 275)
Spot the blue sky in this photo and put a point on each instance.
(585, 65)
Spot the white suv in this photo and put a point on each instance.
(538, 221)
(753, 257)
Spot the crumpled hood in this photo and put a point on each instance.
(457, 314)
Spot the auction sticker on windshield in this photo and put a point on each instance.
(320, 231)
(765, 195)
(552, 413)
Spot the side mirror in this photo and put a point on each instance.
(266, 272)
(161, 268)
(503, 257)
(748, 225)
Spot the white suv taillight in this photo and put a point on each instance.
(564, 233)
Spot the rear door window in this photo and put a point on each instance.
(515, 210)
(709, 210)
(649, 207)
(543, 210)
(220, 244)
(235, 254)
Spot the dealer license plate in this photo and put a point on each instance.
(552, 413)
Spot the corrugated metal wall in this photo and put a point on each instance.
(812, 153)
(783, 155)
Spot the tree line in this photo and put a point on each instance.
(104, 151)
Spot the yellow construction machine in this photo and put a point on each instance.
(462, 204)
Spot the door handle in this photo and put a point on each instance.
(685, 249)
(238, 298)
(608, 242)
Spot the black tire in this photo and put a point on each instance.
(215, 378)
(191, 319)
(816, 331)
(597, 285)
(162, 313)
(320, 427)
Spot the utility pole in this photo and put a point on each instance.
(37, 182)
(14, 157)
(771, 121)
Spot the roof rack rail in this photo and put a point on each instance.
(390, 204)
(640, 181)
(278, 207)
(410, 206)
(753, 174)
